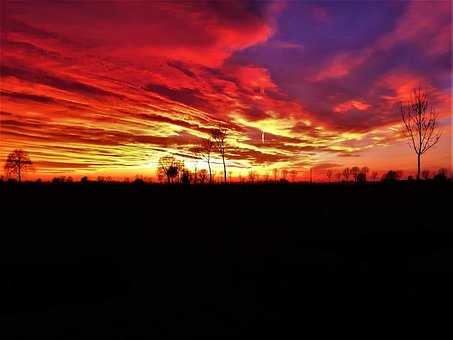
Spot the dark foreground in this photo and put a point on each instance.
(123, 261)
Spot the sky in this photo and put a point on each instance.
(107, 88)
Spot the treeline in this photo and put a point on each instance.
(176, 173)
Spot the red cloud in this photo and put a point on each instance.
(195, 32)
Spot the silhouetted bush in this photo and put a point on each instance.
(138, 181)
(391, 176)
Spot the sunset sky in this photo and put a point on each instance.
(106, 88)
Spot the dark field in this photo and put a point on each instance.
(148, 261)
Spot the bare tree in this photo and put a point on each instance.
(252, 176)
(355, 171)
(365, 170)
(419, 124)
(284, 174)
(346, 174)
(205, 151)
(219, 136)
(170, 167)
(275, 173)
(17, 163)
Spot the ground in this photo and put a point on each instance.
(149, 261)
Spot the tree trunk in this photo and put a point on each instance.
(418, 167)
(224, 168)
(210, 174)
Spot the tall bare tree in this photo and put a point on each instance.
(17, 163)
(205, 151)
(419, 124)
(219, 136)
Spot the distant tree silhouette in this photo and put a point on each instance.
(365, 170)
(84, 180)
(185, 176)
(361, 178)
(205, 152)
(252, 176)
(17, 163)
(362, 175)
(355, 172)
(202, 176)
(275, 174)
(419, 124)
(138, 181)
(284, 175)
(170, 167)
(219, 136)
(329, 174)
(392, 176)
(346, 174)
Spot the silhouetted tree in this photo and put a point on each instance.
(346, 174)
(202, 176)
(365, 170)
(252, 176)
(361, 178)
(84, 180)
(205, 152)
(275, 173)
(17, 163)
(355, 170)
(284, 175)
(219, 136)
(170, 167)
(426, 174)
(185, 176)
(419, 122)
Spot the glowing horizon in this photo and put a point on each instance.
(101, 89)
